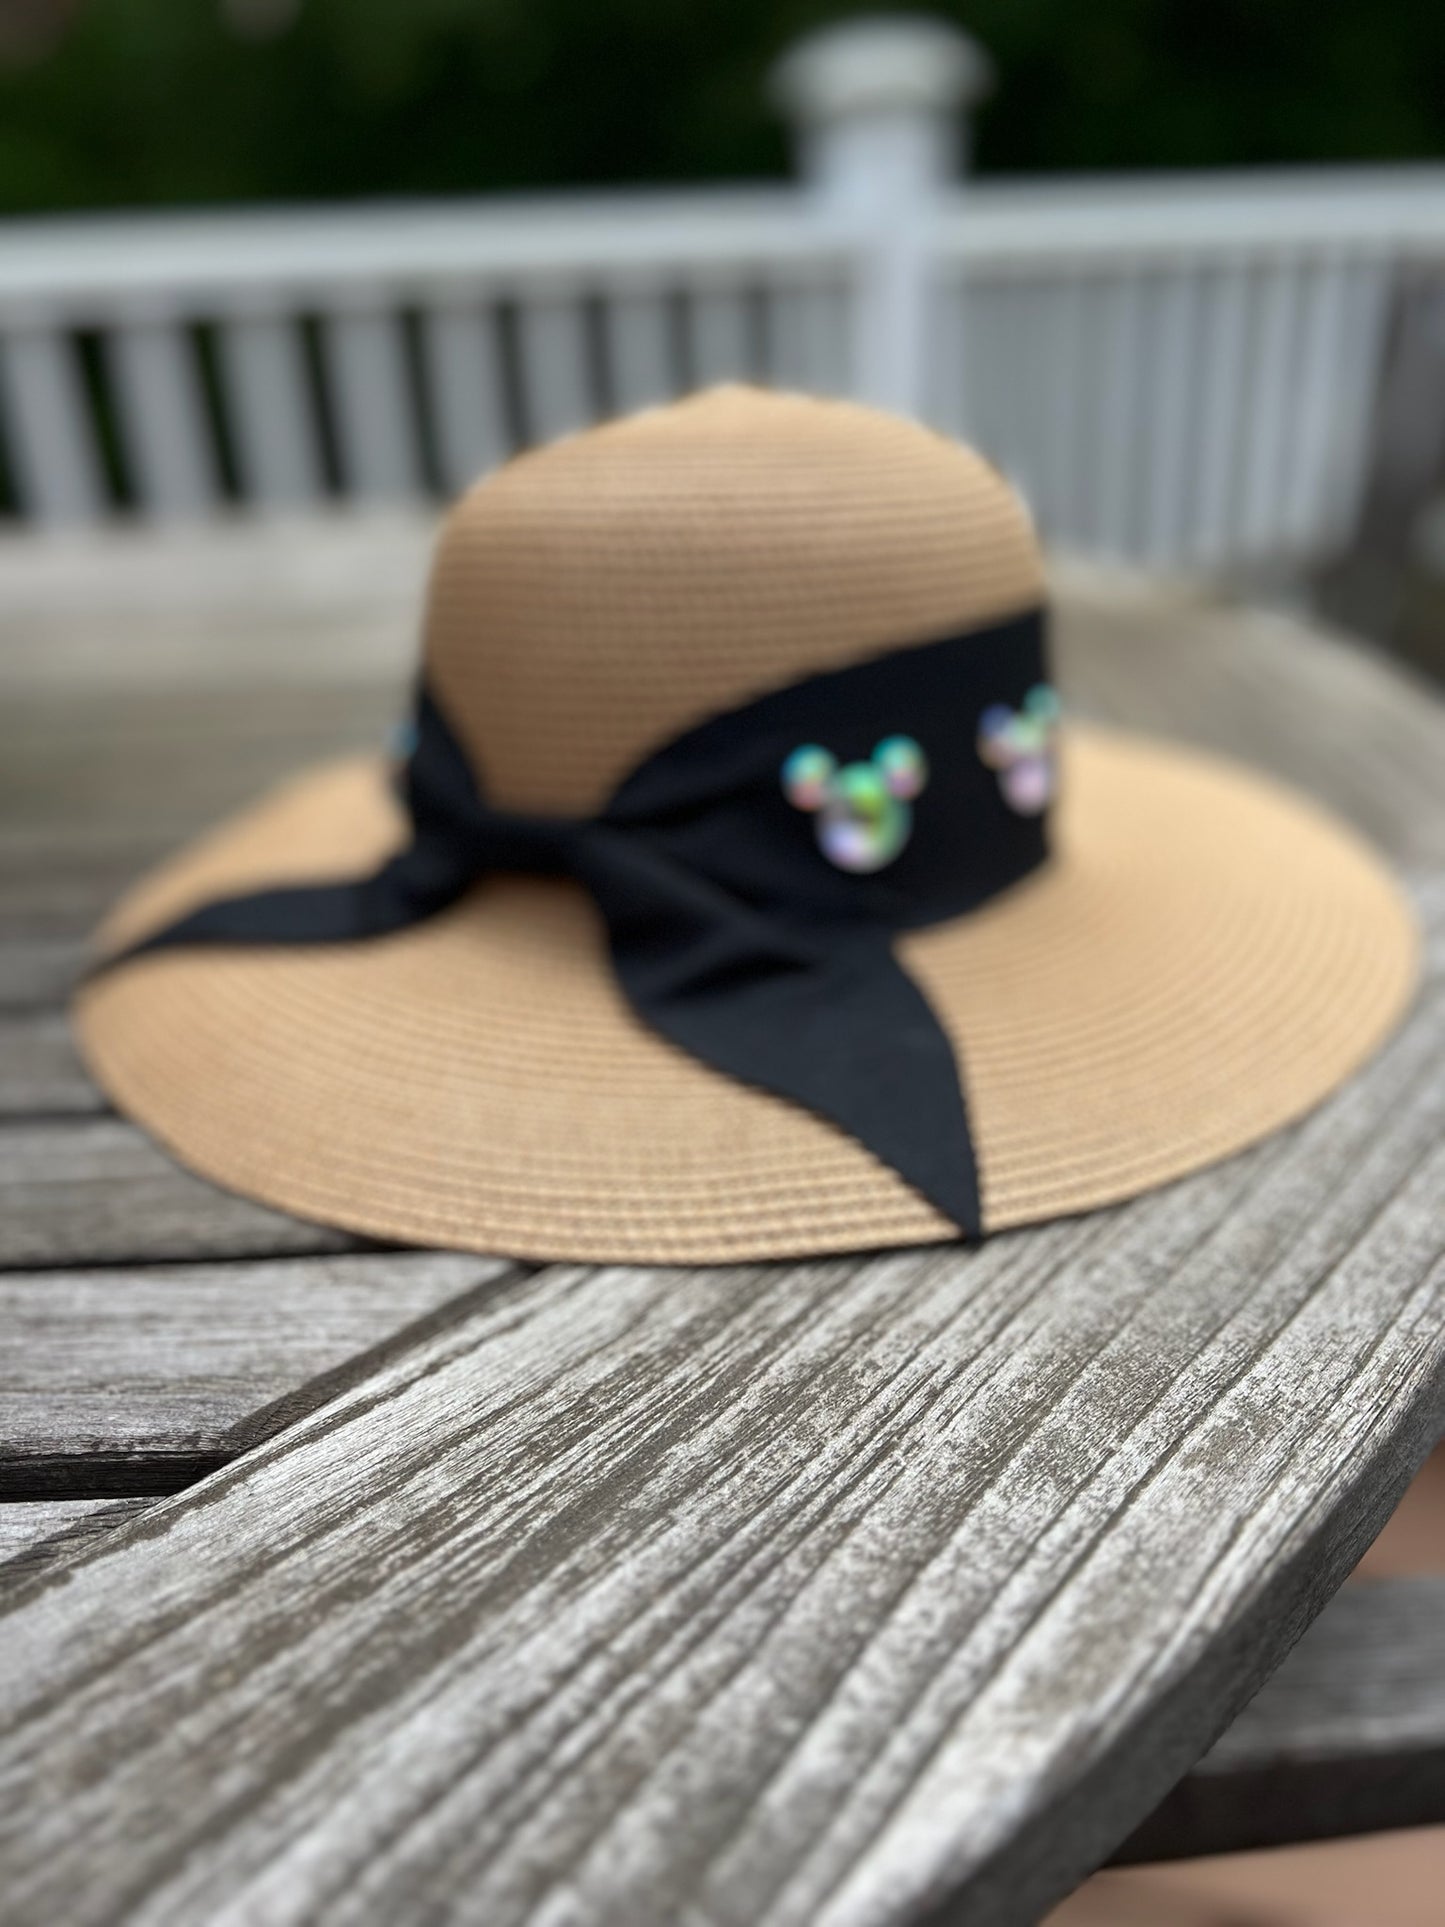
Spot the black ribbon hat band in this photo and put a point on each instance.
(752, 873)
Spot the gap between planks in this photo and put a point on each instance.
(141, 1380)
(1347, 1737)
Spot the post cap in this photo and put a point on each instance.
(882, 63)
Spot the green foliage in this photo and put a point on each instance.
(156, 101)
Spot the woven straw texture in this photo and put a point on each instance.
(594, 598)
(1204, 958)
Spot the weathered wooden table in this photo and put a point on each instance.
(360, 1585)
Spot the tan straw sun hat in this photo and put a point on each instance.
(1196, 958)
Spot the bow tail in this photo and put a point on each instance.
(416, 883)
(836, 1024)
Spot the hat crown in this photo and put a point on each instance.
(593, 598)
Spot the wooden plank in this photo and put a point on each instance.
(37, 973)
(134, 604)
(167, 764)
(141, 1379)
(39, 1070)
(33, 1535)
(1347, 1737)
(1270, 689)
(55, 881)
(91, 1191)
(821, 1592)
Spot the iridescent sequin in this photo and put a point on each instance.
(864, 810)
(1021, 744)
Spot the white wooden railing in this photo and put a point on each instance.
(1181, 371)
(379, 352)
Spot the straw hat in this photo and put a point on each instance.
(1202, 958)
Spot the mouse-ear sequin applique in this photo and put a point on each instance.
(1021, 745)
(864, 810)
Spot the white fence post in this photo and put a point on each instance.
(877, 105)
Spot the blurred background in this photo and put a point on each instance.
(1179, 268)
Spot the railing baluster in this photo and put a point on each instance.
(1221, 429)
(1005, 381)
(807, 348)
(1167, 481)
(948, 375)
(163, 417)
(639, 348)
(1363, 325)
(468, 399)
(829, 335)
(1271, 395)
(556, 379)
(1121, 401)
(976, 398)
(263, 369)
(1028, 407)
(720, 335)
(374, 414)
(786, 335)
(1325, 291)
(1060, 399)
(53, 450)
(1093, 428)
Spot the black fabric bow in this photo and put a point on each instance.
(731, 932)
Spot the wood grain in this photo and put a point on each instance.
(40, 1073)
(33, 1534)
(91, 1191)
(140, 765)
(1326, 714)
(38, 970)
(1347, 1737)
(141, 1379)
(832, 1593)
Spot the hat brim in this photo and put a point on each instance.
(1203, 959)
